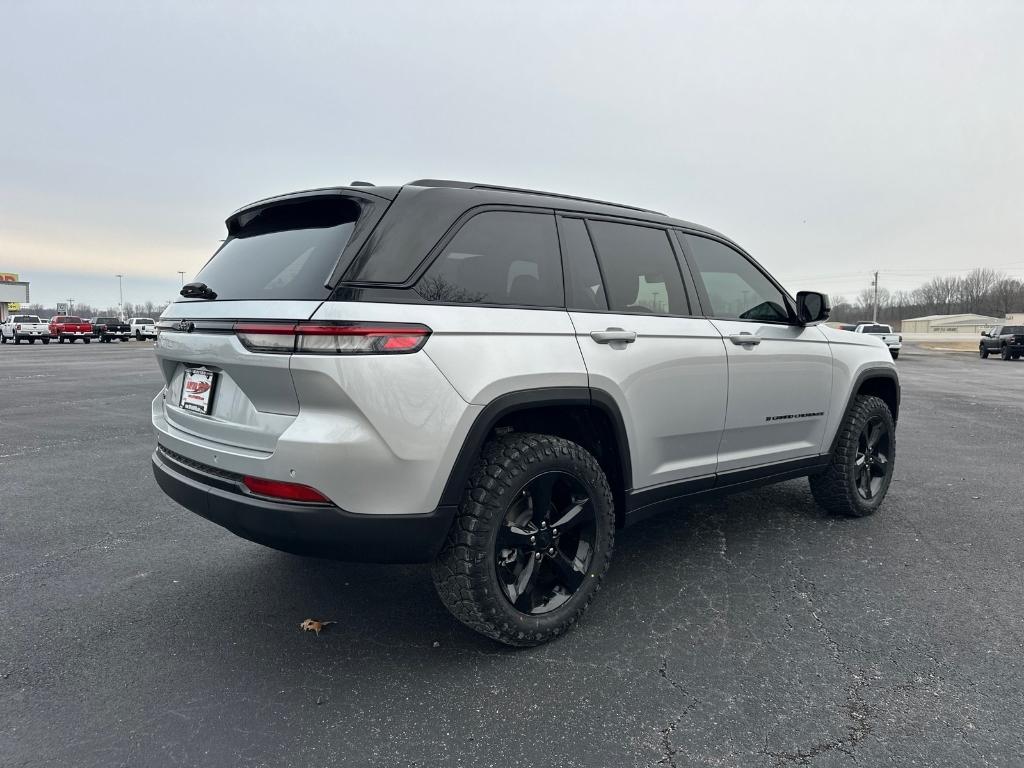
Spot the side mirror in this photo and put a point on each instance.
(985, 334)
(812, 307)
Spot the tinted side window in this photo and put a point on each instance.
(499, 257)
(736, 288)
(639, 268)
(583, 288)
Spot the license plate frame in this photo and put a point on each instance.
(198, 398)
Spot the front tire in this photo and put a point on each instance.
(895, 354)
(531, 541)
(982, 351)
(1005, 353)
(858, 477)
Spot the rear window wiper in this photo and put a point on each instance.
(197, 291)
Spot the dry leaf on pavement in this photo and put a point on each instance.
(314, 625)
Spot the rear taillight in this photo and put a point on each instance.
(332, 338)
(276, 489)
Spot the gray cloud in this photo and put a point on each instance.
(828, 138)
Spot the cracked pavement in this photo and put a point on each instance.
(752, 631)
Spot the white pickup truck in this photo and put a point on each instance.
(27, 327)
(892, 340)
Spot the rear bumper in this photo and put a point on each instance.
(304, 529)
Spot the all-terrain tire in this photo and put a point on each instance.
(1005, 353)
(835, 488)
(465, 573)
(982, 351)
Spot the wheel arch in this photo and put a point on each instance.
(881, 382)
(589, 417)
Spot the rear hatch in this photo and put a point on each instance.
(271, 271)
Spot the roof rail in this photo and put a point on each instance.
(498, 188)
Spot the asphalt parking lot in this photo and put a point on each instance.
(748, 632)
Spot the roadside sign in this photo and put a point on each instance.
(10, 277)
(62, 308)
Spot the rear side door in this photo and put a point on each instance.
(645, 346)
(780, 373)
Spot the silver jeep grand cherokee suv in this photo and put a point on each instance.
(494, 380)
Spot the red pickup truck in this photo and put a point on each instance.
(70, 328)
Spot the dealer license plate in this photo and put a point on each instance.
(197, 390)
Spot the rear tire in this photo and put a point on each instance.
(531, 541)
(858, 477)
(86, 339)
(45, 340)
(17, 340)
(31, 341)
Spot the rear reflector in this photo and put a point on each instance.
(332, 338)
(279, 490)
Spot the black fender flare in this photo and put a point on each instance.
(527, 399)
(874, 372)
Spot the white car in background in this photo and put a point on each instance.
(893, 341)
(24, 327)
(142, 328)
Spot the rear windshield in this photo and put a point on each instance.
(69, 319)
(107, 320)
(876, 329)
(26, 319)
(144, 321)
(282, 251)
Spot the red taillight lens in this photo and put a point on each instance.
(332, 338)
(289, 491)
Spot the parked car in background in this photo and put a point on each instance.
(142, 328)
(70, 328)
(1007, 341)
(892, 340)
(109, 328)
(24, 327)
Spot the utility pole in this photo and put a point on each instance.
(181, 274)
(120, 297)
(71, 305)
(874, 314)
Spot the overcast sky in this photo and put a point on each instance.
(830, 139)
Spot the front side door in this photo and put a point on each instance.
(780, 373)
(665, 368)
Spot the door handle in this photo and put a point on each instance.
(743, 339)
(613, 334)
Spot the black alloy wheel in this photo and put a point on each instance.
(545, 543)
(873, 463)
(531, 541)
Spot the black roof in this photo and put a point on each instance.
(498, 188)
(421, 212)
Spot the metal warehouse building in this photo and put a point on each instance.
(968, 324)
